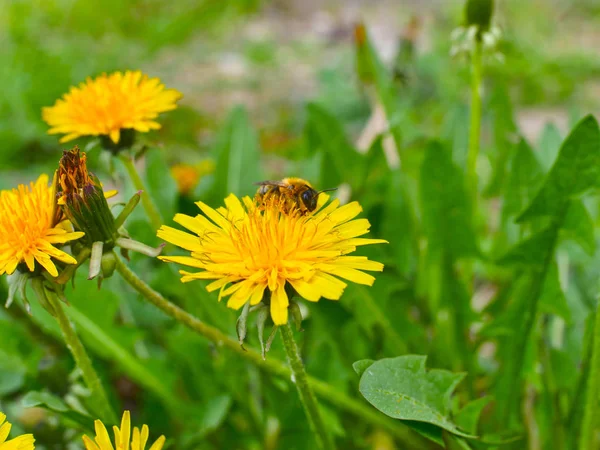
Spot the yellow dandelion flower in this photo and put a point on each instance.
(108, 104)
(124, 439)
(29, 228)
(248, 251)
(23, 442)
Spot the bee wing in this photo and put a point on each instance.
(270, 183)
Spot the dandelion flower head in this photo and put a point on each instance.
(251, 249)
(108, 104)
(124, 438)
(29, 228)
(23, 442)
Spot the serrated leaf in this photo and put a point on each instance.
(362, 365)
(576, 169)
(401, 388)
(446, 208)
(523, 179)
(579, 226)
(531, 251)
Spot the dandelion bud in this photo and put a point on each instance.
(82, 199)
(479, 13)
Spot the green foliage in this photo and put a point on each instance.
(498, 288)
(402, 388)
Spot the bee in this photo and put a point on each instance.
(292, 192)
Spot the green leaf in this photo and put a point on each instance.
(446, 209)
(53, 403)
(237, 158)
(468, 417)
(397, 215)
(576, 169)
(579, 226)
(553, 300)
(362, 365)
(531, 251)
(548, 146)
(523, 180)
(402, 388)
(341, 162)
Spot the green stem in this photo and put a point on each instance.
(83, 361)
(590, 413)
(307, 397)
(475, 121)
(324, 390)
(147, 202)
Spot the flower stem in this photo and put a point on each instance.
(475, 120)
(324, 390)
(147, 202)
(590, 413)
(83, 361)
(307, 397)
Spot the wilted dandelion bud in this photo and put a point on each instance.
(83, 202)
(82, 198)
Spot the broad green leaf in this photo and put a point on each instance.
(446, 209)
(576, 169)
(237, 158)
(402, 388)
(362, 365)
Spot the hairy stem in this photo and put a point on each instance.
(324, 390)
(83, 361)
(307, 397)
(147, 202)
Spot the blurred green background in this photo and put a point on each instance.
(275, 84)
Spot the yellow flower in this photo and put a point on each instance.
(124, 440)
(108, 104)
(23, 442)
(248, 251)
(29, 228)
